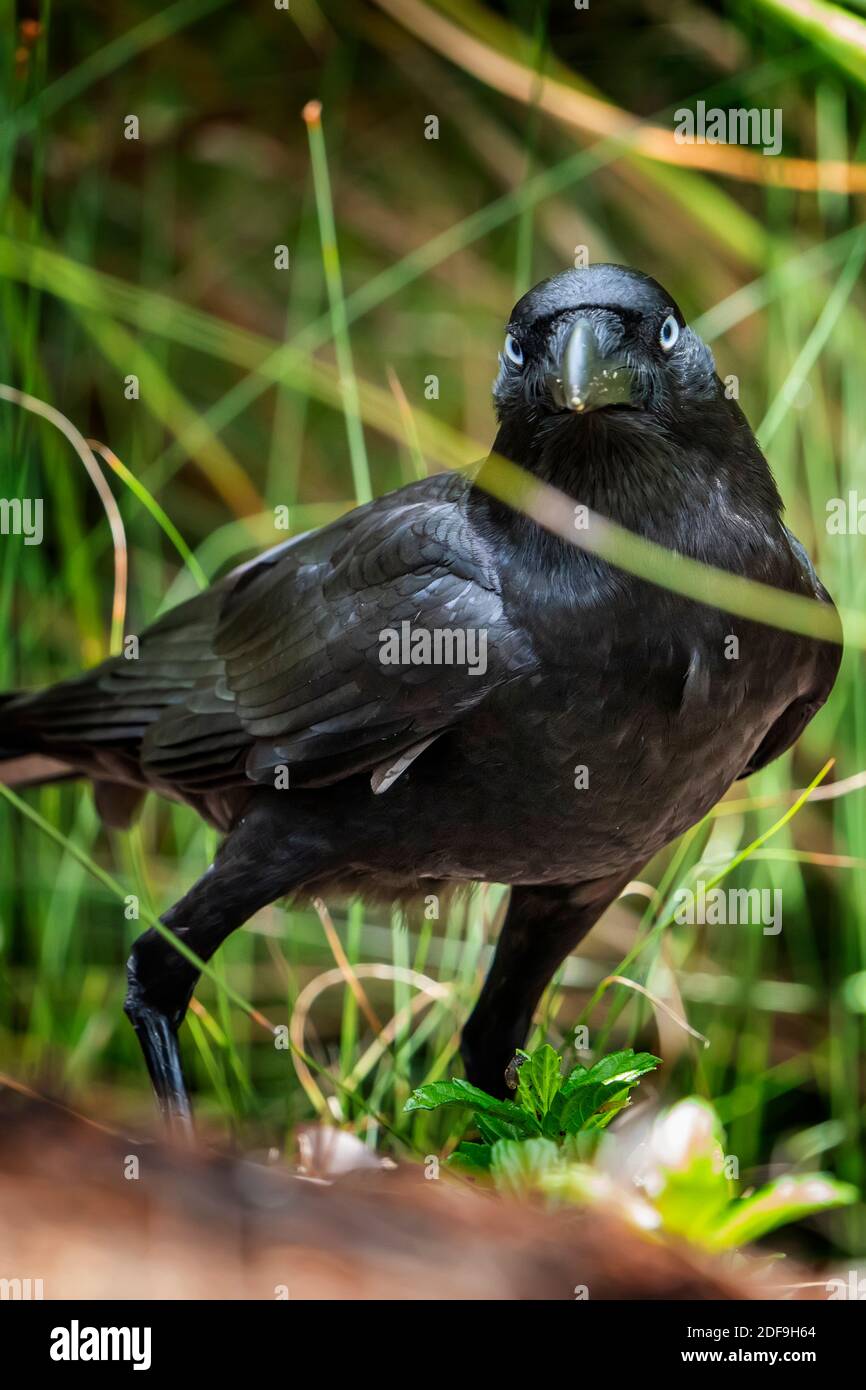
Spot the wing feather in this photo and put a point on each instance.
(282, 662)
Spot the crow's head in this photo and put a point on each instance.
(601, 340)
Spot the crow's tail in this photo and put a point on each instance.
(22, 763)
(13, 741)
(16, 738)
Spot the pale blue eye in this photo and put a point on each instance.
(670, 332)
(513, 350)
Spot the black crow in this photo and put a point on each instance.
(434, 689)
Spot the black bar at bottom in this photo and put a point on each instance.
(244, 1338)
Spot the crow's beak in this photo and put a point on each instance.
(586, 379)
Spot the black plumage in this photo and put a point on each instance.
(401, 775)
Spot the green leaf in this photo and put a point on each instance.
(594, 1095)
(577, 1182)
(580, 1106)
(573, 1078)
(626, 1066)
(551, 1125)
(517, 1166)
(435, 1094)
(460, 1092)
(491, 1128)
(525, 1092)
(545, 1076)
(691, 1203)
(579, 1148)
(471, 1157)
(538, 1080)
(786, 1199)
(609, 1109)
(692, 1188)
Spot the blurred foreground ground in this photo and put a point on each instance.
(198, 1225)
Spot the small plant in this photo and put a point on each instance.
(683, 1185)
(677, 1182)
(552, 1116)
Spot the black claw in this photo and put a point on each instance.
(158, 1039)
(156, 1028)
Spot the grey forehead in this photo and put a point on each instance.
(616, 286)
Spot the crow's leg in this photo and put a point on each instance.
(256, 864)
(543, 925)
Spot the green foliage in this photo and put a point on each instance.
(544, 1142)
(550, 1111)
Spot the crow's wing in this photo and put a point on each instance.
(303, 640)
(828, 655)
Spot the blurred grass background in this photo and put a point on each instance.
(155, 257)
